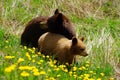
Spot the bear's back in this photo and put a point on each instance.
(52, 43)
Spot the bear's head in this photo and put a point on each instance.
(59, 23)
(78, 47)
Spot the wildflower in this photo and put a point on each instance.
(26, 67)
(91, 72)
(70, 73)
(47, 56)
(86, 76)
(56, 69)
(36, 73)
(33, 60)
(39, 53)
(111, 79)
(52, 78)
(10, 68)
(28, 56)
(74, 68)
(9, 57)
(20, 60)
(65, 70)
(99, 79)
(102, 74)
(25, 47)
(42, 72)
(75, 76)
(58, 75)
(25, 74)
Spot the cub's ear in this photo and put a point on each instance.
(59, 18)
(74, 41)
(81, 38)
(56, 11)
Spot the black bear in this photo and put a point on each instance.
(33, 30)
(58, 23)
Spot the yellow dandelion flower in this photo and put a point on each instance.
(42, 72)
(52, 78)
(28, 56)
(70, 73)
(80, 68)
(47, 56)
(25, 47)
(65, 70)
(24, 74)
(26, 67)
(35, 70)
(74, 68)
(86, 76)
(10, 68)
(39, 53)
(75, 76)
(99, 79)
(87, 65)
(20, 60)
(9, 57)
(91, 79)
(84, 68)
(111, 79)
(36, 73)
(57, 69)
(58, 75)
(91, 72)
(33, 60)
(49, 70)
(102, 74)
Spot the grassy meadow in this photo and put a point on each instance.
(97, 20)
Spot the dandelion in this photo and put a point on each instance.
(75, 76)
(33, 60)
(111, 79)
(20, 60)
(36, 73)
(25, 47)
(52, 78)
(9, 57)
(58, 75)
(56, 69)
(10, 68)
(70, 73)
(28, 56)
(99, 79)
(102, 74)
(47, 56)
(74, 68)
(25, 74)
(26, 67)
(91, 72)
(65, 70)
(39, 53)
(42, 72)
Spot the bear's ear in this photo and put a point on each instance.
(81, 38)
(74, 41)
(56, 11)
(59, 18)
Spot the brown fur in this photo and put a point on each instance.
(33, 30)
(61, 47)
(60, 24)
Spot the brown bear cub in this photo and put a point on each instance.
(60, 24)
(63, 49)
(33, 30)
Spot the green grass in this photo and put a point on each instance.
(97, 21)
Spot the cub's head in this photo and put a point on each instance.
(78, 47)
(59, 23)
